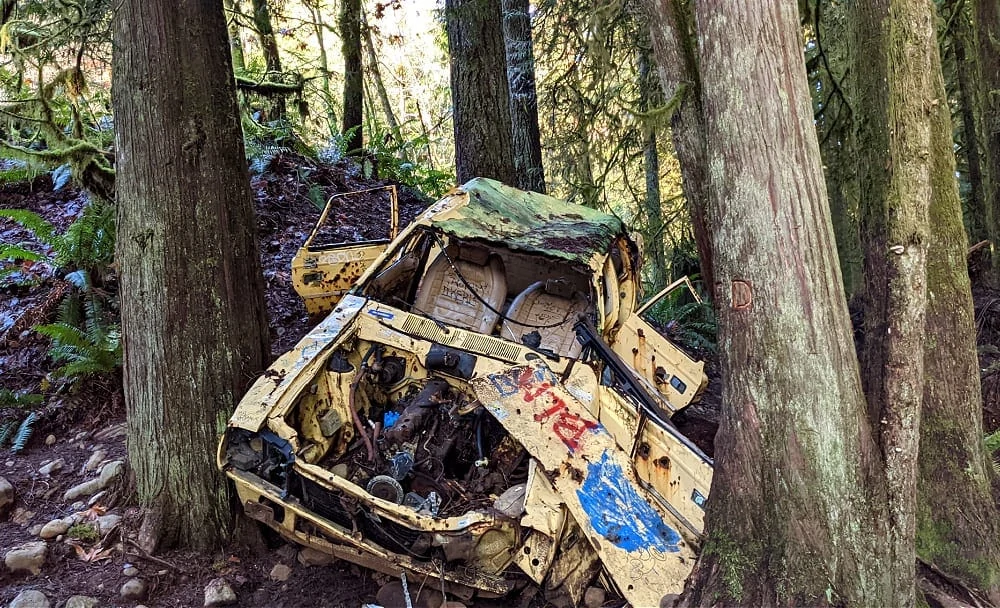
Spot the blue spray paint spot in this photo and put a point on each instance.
(619, 514)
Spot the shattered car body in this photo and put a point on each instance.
(483, 407)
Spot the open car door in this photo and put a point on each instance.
(674, 374)
(322, 272)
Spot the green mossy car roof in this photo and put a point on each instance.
(531, 222)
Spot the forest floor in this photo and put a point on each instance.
(80, 435)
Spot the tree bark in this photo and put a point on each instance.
(523, 97)
(479, 91)
(894, 40)
(978, 215)
(958, 527)
(319, 27)
(674, 45)
(350, 35)
(650, 95)
(987, 26)
(233, 11)
(796, 513)
(192, 302)
(265, 32)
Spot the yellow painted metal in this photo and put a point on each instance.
(637, 540)
(322, 274)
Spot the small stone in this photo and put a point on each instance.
(53, 467)
(96, 498)
(30, 598)
(82, 490)
(112, 432)
(22, 516)
(130, 570)
(82, 601)
(280, 573)
(6, 496)
(594, 597)
(50, 440)
(286, 552)
(78, 505)
(110, 471)
(94, 461)
(53, 529)
(312, 557)
(80, 436)
(29, 557)
(134, 589)
(9, 463)
(219, 593)
(35, 530)
(107, 523)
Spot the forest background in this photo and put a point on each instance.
(371, 81)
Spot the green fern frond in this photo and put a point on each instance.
(43, 230)
(24, 432)
(16, 252)
(9, 398)
(6, 430)
(993, 442)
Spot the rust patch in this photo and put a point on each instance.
(663, 461)
(643, 451)
(742, 295)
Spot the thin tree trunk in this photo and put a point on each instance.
(672, 35)
(523, 97)
(383, 95)
(958, 526)
(233, 11)
(324, 65)
(192, 301)
(987, 24)
(265, 32)
(479, 92)
(894, 40)
(796, 513)
(350, 34)
(650, 95)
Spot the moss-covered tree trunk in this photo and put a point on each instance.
(958, 526)
(893, 42)
(673, 37)
(987, 36)
(233, 13)
(523, 97)
(978, 215)
(269, 45)
(796, 513)
(192, 301)
(479, 91)
(350, 35)
(651, 96)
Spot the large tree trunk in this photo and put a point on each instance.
(192, 301)
(523, 98)
(350, 35)
(958, 526)
(479, 92)
(650, 95)
(893, 41)
(796, 513)
(672, 34)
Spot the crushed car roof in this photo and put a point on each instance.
(528, 221)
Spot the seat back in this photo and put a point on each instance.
(444, 296)
(541, 305)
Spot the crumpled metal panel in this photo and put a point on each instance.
(638, 542)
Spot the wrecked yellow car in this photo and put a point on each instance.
(482, 408)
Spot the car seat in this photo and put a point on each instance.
(550, 308)
(444, 296)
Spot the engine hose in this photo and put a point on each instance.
(352, 399)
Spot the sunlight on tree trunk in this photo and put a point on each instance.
(796, 513)
(233, 13)
(192, 301)
(479, 91)
(523, 97)
(649, 97)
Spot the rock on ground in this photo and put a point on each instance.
(53, 529)
(30, 598)
(6, 496)
(133, 589)
(219, 593)
(82, 601)
(29, 557)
